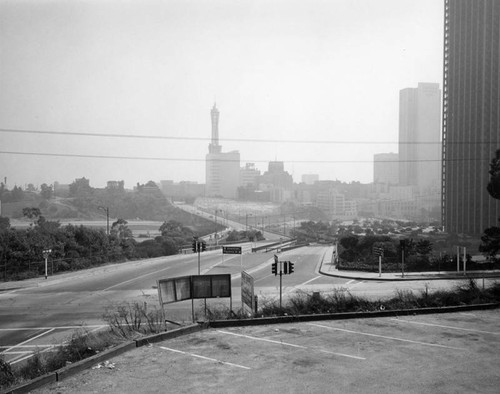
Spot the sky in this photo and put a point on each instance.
(313, 83)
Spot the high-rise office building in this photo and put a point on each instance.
(420, 137)
(222, 169)
(471, 106)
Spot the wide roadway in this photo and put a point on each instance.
(46, 313)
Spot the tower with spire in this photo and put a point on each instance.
(222, 168)
(214, 146)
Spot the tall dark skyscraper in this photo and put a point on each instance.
(471, 106)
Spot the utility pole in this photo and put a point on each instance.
(106, 209)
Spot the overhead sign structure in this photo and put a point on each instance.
(231, 249)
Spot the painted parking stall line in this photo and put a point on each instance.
(204, 358)
(290, 344)
(447, 327)
(385, 337)
(262, 339)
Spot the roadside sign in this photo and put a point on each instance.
(231, 249)
(247, 291)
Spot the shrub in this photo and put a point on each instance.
(131, 319)
(7, 376)
(33, 368)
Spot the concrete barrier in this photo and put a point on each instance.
(33, 384)
(346, 315)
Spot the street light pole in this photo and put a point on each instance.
(46, 253)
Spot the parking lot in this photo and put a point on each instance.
(445, 353)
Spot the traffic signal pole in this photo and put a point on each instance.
(199, 270)
(281, 274)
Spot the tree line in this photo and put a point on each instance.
(78, 247)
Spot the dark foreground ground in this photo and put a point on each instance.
(441, 353)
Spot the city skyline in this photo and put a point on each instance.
(313, 85)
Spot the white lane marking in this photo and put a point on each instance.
(267, 276)
(133, 279)
(24, 346)
(288, 344)
(49, 328)
(385, 337)
(12, 353)
(308, 281)
(356, 284)
(9, 350)
(28, 340)
(441, 326)
(203, 357)
(262, 339)
(348, 283)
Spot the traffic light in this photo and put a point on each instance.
(274, 268)
(285, 267)
(195, 246)
(290, 267)
(203, 246)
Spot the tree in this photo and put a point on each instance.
(494, 184)
(46, 191)
(4, 223)
(17, 194)
(349, 242)
(423, 247)
(32, 213)
(120, 229)
(490, 245)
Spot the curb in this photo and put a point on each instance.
(410, 276)
(348, 315)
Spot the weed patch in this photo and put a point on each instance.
(130, 320)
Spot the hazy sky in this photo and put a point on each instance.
(280, 71)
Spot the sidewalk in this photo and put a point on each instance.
(328, 268)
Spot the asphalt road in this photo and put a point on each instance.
(47, 312)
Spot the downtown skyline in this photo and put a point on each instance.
(314, 85)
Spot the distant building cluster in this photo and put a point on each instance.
(398, 191)
(446, 141)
